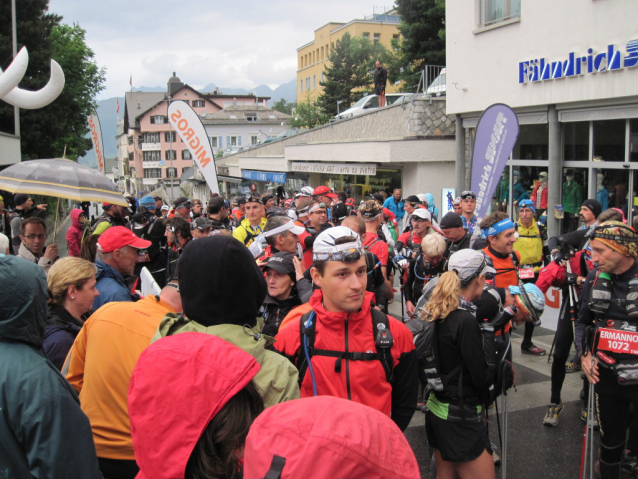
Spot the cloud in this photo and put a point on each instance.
(240, 44)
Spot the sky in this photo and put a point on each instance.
(233, 44)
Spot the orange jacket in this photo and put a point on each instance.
(100, 364)
(506, 273)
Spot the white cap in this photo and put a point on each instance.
(469, 263)
(325, 242)
(307, 191)
(287, 226)
(422, 213)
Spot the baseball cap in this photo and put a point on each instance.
(165, 208)
(377, 196)
(148, 202)
(201, 223)
(527, 204)
(451, 220)
(412, 199)
(370, 210)
(324, 191)
(182, 201)
(456, 201)
(470, 264)
(280, 262)
(325, 249)
(307, 191)
(117, 237)
(265, 198)
(287, 226)
(468, 195)
(422, 197)
(422, 213)
(350, 202)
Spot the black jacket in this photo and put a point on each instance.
(419, 276)
(59, 334)
(274, 311)
(380, 76)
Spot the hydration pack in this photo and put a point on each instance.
(600, 296)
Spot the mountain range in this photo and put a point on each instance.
(107, 111)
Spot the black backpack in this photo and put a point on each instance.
(383, 341)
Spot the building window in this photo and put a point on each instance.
(152, 172)
(151, 155)
(323, 77)
(169, 136)
(186, 155)
(158, 119)
(171, 155)
(377, 38)
(307, 83)
(198, 103)
(233, 141)
(366, 35)
(301, 85)
(130, 139)
(314, 82)
(497, 11)
(253, 139)
(213, 141)
(251, 116)
(171, 172)
(151, 138)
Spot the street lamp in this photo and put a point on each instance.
(339, 102)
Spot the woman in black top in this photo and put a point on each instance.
(455, 422)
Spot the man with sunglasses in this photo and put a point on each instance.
(468, 205)
(33, 235)
(254, 223)
(351, 356)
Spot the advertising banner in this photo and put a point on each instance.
(496, 134)
(191, 130)
(96, 136)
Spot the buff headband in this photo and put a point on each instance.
(617, 236)
(499, 227)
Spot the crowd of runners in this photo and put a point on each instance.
(267, 349)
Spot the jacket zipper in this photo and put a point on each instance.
(347, 363)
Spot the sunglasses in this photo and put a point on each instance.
(350, 255)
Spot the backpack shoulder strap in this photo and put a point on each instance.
(383, 341)
(306, 333)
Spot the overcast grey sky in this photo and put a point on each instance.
(239, 44)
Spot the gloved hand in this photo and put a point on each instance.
(557, 256)
(572, 279)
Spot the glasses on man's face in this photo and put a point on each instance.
(320, 212)
(34, 236)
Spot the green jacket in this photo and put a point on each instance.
(277, 379)
(43, 431)
(572, 197)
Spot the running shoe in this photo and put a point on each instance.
(534, 350)
(583, 417)
(572, 367)
(495, 456)
(551, 418)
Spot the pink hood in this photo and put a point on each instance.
(328, 437)
(75, 218)
(179, 384)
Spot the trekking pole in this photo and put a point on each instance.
(504, 445)
(588, 437)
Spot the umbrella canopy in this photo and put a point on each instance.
(61, 178)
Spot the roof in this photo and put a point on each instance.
(139, 102)
(238, 114)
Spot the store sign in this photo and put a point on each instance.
(335, 168)
(541, 69)
(264, 176)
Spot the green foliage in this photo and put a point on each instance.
(422, 40)
(283, 106)
(308, 115)
(348, 73)
(45, 132)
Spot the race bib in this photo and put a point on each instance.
(526, 273)
(618, 341)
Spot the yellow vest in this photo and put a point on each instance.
(529, 245)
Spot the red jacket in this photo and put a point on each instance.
(74, 233)
(542, 201)
(327, 437)
(361, 381)
(178, 386)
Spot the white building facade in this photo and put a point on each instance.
(569, 70)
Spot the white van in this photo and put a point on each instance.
(367, 103)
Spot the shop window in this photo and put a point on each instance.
(609, 140)
(573, 192)
(497, 11)
(532, 142)
(169, 136)
(633, 140)
(576, 141)
(612, 187)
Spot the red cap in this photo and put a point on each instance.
(117, 237)
(324, 191)
(350, 202)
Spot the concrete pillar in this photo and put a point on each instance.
(554, 171)
(460, 156)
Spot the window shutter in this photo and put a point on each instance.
(228, 141)
(220, 143)
(152, 120)
(239, 141)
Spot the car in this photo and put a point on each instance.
(437, 87)
(282, 135)
(367, 103)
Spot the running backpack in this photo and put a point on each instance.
(383, 342)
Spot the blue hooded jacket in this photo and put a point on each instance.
(111, 286)
(434, 211)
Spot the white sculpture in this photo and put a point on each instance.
(29, 100)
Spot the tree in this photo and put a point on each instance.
(348, 72)
(45, 132)
(422, 39)
(283, 106)
(308, 115)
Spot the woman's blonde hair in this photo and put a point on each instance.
(445, 297)
(433, 245)
(68, 272)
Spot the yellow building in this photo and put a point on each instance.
(312, 57)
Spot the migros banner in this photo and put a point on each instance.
(189, 127)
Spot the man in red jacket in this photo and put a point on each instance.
(345, 348)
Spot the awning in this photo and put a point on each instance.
(230, 179)
(264, 176)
